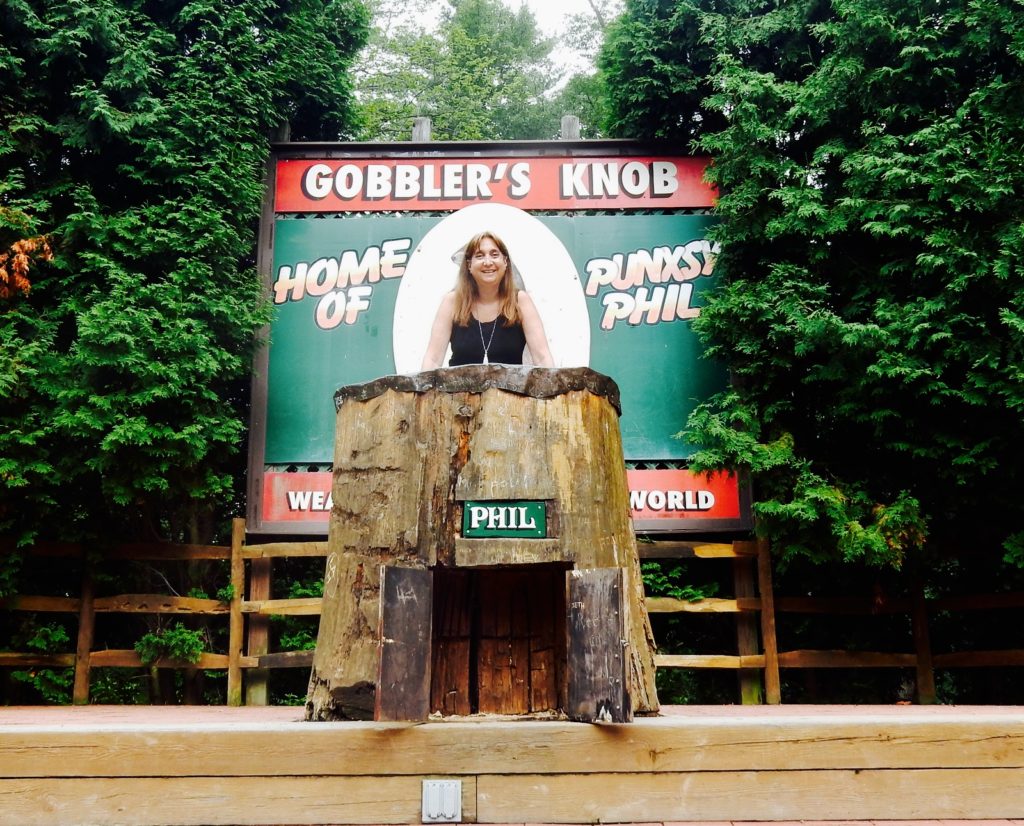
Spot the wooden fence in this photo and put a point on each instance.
(752, 664)
(753, 607)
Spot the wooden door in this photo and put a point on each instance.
(598, 691)
(403, 671)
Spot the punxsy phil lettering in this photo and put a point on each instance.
(650, 286)
(643, 286)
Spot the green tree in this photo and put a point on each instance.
(656, 70)
(583, 93)
(872, 315)
(134, 141)
(483, 73)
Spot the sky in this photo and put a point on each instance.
(550, 13)
(550, 16)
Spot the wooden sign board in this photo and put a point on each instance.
(522, 520)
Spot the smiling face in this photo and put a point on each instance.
(487, 263)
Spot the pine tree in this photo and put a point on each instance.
(872, 312)
(134, 140)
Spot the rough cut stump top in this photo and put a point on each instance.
(411, 450)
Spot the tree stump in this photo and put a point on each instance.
(481, 554)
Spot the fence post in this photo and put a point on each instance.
(747, 643)
(570, 128)
(772, 685)
(86, 628)
(922, 643)
(421, 129)
(259, 633)
(236, 622)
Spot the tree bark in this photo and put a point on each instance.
(411, 450)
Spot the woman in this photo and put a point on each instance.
(485, 318)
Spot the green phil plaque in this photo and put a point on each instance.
(526, 520)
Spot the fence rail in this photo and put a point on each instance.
(753, 608)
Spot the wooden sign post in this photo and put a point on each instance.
(481, 556)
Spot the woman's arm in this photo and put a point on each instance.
(440, 333)
(533, 327)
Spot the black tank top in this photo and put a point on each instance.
(506, 346)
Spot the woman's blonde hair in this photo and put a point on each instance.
(465, 286)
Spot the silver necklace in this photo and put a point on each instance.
(486, 346)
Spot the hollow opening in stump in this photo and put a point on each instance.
(499, 640)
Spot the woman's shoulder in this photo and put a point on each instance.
(447, 304)
(525, 302)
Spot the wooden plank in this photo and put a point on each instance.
(66, 550)
(284, 549)
(258, 639)
(868, 606)
(479, 553)
(753, 796)
(128, 658)
(149, 551)
(403, 674)
(747, 547)
(286, 659)
(547, 636)
(978, 602)
(597, 688)
(845, 659)
(299, 607)
(59, 605)
(454, 598)
(709, 661)
(450, 677)
(209, 801)
(772, 682)
(15, 659)
(167, 552)
(982, 659)
(683, 549)
(503, 645)
(748, 643)
(853, 606)
(141, 741)
(86, 626)
(708, 605)
(158, 604)
(236, 623)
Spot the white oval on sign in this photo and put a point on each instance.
(542, 262)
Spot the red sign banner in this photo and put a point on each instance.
(655, 495)
(563, 183)
(671, 495)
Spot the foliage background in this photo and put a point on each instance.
(134, 141)
(872, 229)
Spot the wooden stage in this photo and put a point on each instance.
(215, 765)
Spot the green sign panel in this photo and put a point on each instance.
(525, 520)
(355, 297)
